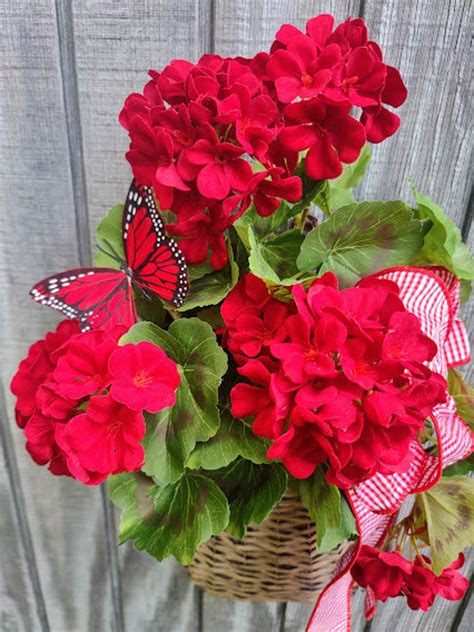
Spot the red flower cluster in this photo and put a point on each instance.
(392, 575)
(81, 397)
(196, 127)
(335, 376)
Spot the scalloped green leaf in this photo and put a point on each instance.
(463, 395)
(330, 511)
(252, 492)
(447, 510)
(340, 189)
(172, 433)
(109, 238)
(275, 260)
(360, 239)
(169, 520)
(443, 245)
(211, 289)
(234, 438)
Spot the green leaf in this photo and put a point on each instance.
(314, 192)
(151, 309)
(211, 315)
(463, 395)
(330, 511)
(443, 245)
(212, 288)
(363, 238)
(234, 438)
(261, 226)
(170, 520)
(340, 189)
(199, 270)
(172, 433)
(252, 491)
(109, 238)
(275, 259)
(448, 511)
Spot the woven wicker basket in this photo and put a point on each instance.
(276, 560)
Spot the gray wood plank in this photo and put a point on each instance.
(219, 613)
(38, 236)
(467, 314)
(115, 45)
(244, 27)
(465, 623)
(429, 41)
(18, 602)
(157, 597)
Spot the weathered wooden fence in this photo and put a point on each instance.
(66, 67)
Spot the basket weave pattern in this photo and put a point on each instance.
(276, 560)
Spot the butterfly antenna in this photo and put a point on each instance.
(117, 254)
(112, 253)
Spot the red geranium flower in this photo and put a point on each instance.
(79, 436)
(250, 293)
(257, 330)
(385, 573)
(392, 575)
(29, 376)
(451, 584)
(330, 133)
(172, 80)
(308, 353)
(252, 118)
(357, 359)
(222, 167)
(82, 370)
(266, 194)
(360, 80)
(36, 367)
(299, 71)
(146, 105)
(268, 401)
(106, 439)
(151, 156)
(202, 231)
(143, 377)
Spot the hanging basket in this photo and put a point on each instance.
(275, 561)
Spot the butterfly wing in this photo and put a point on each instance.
(98, 297)
(156, 261)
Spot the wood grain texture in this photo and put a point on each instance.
(244, 27)
(62, 150)
(157, 597)
(38, 237)
(115, 45)
(429, 41)
(21, 600)
(467, 311)
(240, 616)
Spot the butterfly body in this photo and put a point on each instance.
(152, 263)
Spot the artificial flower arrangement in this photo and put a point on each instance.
(268, 348)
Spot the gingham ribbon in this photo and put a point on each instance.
(433, 296)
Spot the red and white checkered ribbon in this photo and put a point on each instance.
(432, 294)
